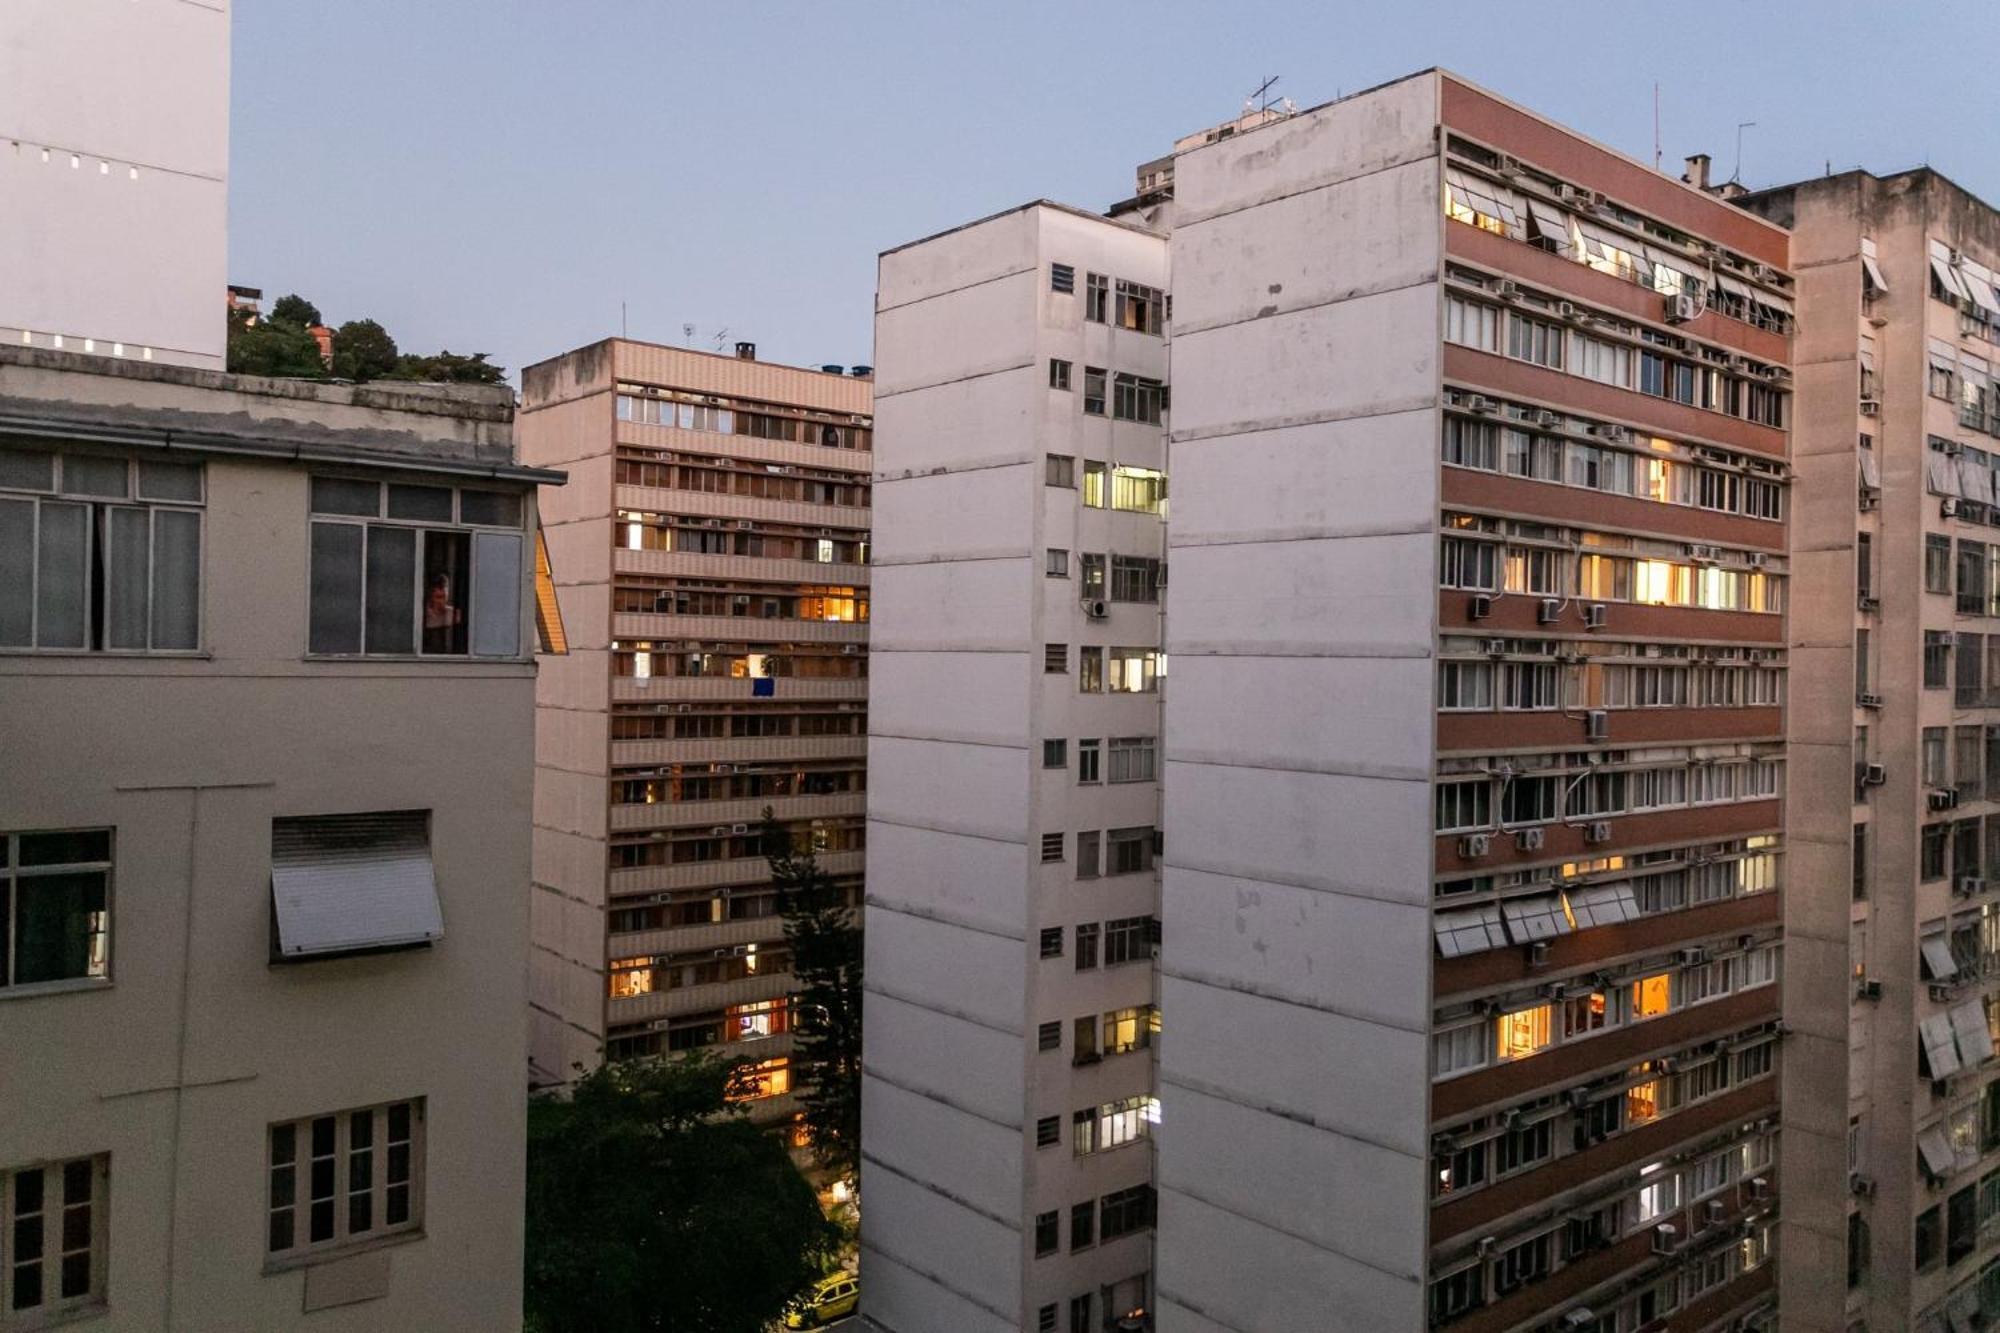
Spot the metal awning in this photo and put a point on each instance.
(1947, 277)
(1871, 471)
(1538, 918)
(1938, 961)
(1940, 1051)
(1468, 930)
(1981, 293)
(353, 883)
(1551, 223)
(1873, 271)
(1939, 475)
(1603, 904)
(1936, 1151)
(1968, 1025)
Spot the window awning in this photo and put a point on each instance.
(1468, 930)
(1940, 1052)
(1968, 1025)
(1981, 293)
(1873, 272)
(548, 611)
(1939, 475)
(1939, 965)
(353, 883)
(1975, 480)
(1871, 471)
(1537, 918)
(1551, 223)
(1936, 1152)
(1603, 904)
(1733, 286)
(1947, 277)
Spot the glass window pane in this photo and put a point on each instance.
(447, 556)
(176, 579)
(336, 588)
(169, 481)
(59, 579)
(496, 586)
(17, 583)
(27, 470)
(425, 502)
(336, 495)
(500, 509)
(65, 849)
(59, 926)
(392, 590)
(88, 474)
(127, 544)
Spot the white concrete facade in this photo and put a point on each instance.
(170, 1065)
(979, 636)
(114, 162)
(1297, 875)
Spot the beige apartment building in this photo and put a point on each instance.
(1009, 1097)
(266, 712)
(712, 552)
(1891, 1106)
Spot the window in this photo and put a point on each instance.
(1129, 1029)
(1057, 563)
(1132, 670)
(1522, 1033)
(1469, 564)
(1524, 1263)
(1125, 1212)
(1079, 1314)
(1937, 659)
(1091, 567)
(53, 1239)
(1471, 325)
(103, 554)
(1061, 470)
(352, 1176)
(1052, 847)
(1464, 805)
(1536, 340)
(55, 908)
(1523, 1146)
(1096, 495)
(1086, 855)
(1934, 852)
(1932, 743)
(1090, 671)
(1055, 658)
(1096, 297)
(1058, 373)
(389, 579)
(1089, 755)
(1052, 942)
(1937, 563)
(1046, 1240)
(1457, 1049)
(1055, 754)
(1045, 1319)
(1062, 278)
(1472, 443)
(1048, 1131)
(1128, 939)
(1465, 685)
(1135, 398)
(1140, 309)
(1129, 851)
(1138, 490)
(1928, 1238)
(1132, 758)
(1651, 995)
(1458, 1293)
(1659, 1191)
(1048, 1037)
(1134, 579)
(1093, 391)
(1086, 945)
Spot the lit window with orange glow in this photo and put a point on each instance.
(772, 1078)
(630, 977)
(1523, 1032)
(1642, 1101)
(1650, 995)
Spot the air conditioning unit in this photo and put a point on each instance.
(1507, 289)
(1873, 775)
(1665, 1236)
(1942, 994)
(745, 523)
(1096, 608)
(1475, 844)
(1581, 1317)
(1596, 724)
(739, 828)
(1871, 407)
(1681, 308)
(1702, 551)
(1867, 700)
(1948, 507)
(1943, 798)
(1951, 448)
(1479, 402)
(1548, 611)
(1713, 1212)
(1692, 956)
(1480, 607)
(1548, 420)
(1758, 559)
(1528, 840)
(682, 708)
(711, 523)
(1569, 311)
(719, 831)
(1867, 603)
(1764, 273)
(1597, 831)
(1868, 990)
(1612, 431)
(1869, 500)
(1593, 615)
(1496, 647)
(1860, 1184)
(1776, 373)
(741, 599)
(1970, 886)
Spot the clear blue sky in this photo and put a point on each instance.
(497, 175)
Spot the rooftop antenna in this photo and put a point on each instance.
(721, 338)
(1262, 97)
(1656, 125)
(624, 328)
(1737, 175)
(687, 334)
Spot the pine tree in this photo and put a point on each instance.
(825, 940)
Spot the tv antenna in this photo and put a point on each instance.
(1261, 99)
(687, 334)
(721, 338)
(1737, 175)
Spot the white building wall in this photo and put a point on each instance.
(114, 160)
(958, 798)
(1295, 977)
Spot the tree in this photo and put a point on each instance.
(362, 351)
(294, 310)
(449, 368)
(653, 1204)
(269, 348)
(826, 1011)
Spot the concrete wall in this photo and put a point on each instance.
(197, 1043)
(114, 160)
(1295, 971)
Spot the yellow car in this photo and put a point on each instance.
(832, 1298)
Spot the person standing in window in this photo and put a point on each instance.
(443, 622)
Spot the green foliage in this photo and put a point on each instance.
(653, 1204)
(362, 351)
(294, 310)
(826, 1012)
(275, 349)
(449, 368)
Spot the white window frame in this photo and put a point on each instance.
(303, 1249)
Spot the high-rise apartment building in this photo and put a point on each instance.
(1013, 819)
(266, 693)
(114, 163)
(713, 556)
(1891, 1106)
(1473, 748)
